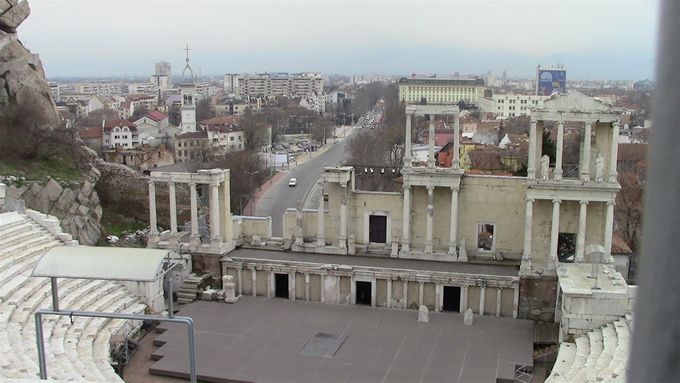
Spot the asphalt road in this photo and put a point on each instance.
(280, 197)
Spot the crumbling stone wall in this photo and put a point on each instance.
(128, 191)
(537, 298)
(75, 204)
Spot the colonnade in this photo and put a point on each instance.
(527, 260)
(584, 169)
(217, 181)
(391, 281)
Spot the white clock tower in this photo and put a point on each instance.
(188, 94)
(188, 109)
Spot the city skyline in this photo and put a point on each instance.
(345, 37)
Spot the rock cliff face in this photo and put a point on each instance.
(75, 204)
(22, 79)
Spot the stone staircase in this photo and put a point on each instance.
(598, 356)
(77, 349)
(188, 290)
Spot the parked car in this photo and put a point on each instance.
(292, 182)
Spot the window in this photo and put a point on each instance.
(231, 138)
(485, 237)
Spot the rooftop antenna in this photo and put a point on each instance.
(187, 66)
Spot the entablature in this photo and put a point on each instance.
(567, 190)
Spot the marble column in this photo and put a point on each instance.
(215, 213)
(608, 228)
(437, 297)
(498, 301)
(531, 166)
(464, 299)
(194, 213)
(323, 288)
(456, 141)
(420, 294)
(152, 209)
(453, 224)
(174, 236)
(405, 295)
(430, 144)
(254, 275)
(352, 290)
(291, 286)
(585, 162)
(482, 299)
(528, 233)
(343, 217)
(430, 220)
(271, 282)
(307, 291)
(320, 230)
(406, 220)
(559, 150)
(515, 302)
(613, 152)
(554, 234)
(581, 234)
(239, 278)
(389, 293)
(407, 142)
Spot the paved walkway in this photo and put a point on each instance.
(274, 340)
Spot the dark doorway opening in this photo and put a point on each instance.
(363, 291)
(566, 247)
(451, 298)
(281, 285)
(377, 228)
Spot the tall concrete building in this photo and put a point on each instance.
(277, 84)
(161, 77)
(441, 91)
(231, 83)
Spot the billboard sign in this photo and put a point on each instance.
(551, 80)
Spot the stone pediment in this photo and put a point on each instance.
(574, 101)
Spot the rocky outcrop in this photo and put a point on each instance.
(22, 79)
(76, 204)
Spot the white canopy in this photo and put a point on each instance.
(112, 263)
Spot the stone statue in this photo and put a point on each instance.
(462, 253)
(599, 168)
(545, 167)
(468, 317)
(423, 314)
(229, 288)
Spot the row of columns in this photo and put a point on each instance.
(214, 200)
(439, 291)
(431, 142)
(429, 225)
(585, 162)
(555, 229)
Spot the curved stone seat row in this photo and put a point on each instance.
(77, 349)
(598, 356)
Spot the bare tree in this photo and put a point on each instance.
(628, 211)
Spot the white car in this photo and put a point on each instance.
(292, 182)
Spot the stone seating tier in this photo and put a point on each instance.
(598, 356)
(76, 350)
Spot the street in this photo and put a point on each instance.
(280, 196)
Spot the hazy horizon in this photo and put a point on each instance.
(594, 40)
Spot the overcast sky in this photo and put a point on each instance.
(607, 40)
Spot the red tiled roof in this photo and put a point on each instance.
(200, 134)
(90, 133)
(109, 124)
(222, 120)
(157, 115)
(619, 246)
